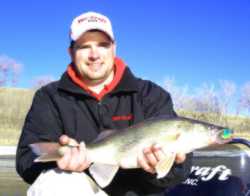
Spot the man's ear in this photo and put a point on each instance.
(114, 48)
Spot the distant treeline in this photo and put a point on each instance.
(223, 99)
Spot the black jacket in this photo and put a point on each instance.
(62, 107)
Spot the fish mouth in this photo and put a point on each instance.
(224, 136)
(224, 141)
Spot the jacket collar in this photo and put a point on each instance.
(124, 81)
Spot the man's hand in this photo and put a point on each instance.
(150, 156)
(75, 158)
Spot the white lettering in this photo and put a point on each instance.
(194, 168)
(212, 174)
(207, 173)
(225, 174)
(203, 171)
(190, 181)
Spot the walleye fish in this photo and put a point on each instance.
(121, 147)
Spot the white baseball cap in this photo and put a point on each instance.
(90, 21)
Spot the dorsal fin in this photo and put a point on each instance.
(104, 134)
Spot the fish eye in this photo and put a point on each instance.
(226, 133)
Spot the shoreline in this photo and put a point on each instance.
(7, 150)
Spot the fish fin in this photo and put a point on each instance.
(49, 151)
(44, 148)
(96, 189)
(164, 166)
(48, 157)
(103, 173)
(104, 134)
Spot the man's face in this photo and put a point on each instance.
(93, 54)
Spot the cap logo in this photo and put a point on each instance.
(92, 19)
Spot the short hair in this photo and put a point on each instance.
(92, 30)
(72, 43)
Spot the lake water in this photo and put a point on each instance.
(238, 163)
(10, 183)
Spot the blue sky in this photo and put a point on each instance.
(193, 41)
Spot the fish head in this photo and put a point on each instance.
(223, 136)
(204, 135)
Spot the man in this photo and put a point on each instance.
(97, 92)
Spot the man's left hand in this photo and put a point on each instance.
(151, 155)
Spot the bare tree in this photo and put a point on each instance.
(206, 99)
(244, 100)
(179, 94)
(4, 69)
(9, 71)
(40, 81)
(226, 93)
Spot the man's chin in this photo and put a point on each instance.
(95, 79)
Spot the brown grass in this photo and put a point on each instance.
(14, 104)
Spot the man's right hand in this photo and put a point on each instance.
(75, 159)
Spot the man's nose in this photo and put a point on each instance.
(93, 53)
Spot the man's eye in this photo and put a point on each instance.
(81, 47)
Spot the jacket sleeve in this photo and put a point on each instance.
(42, 123)
(156, 102)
